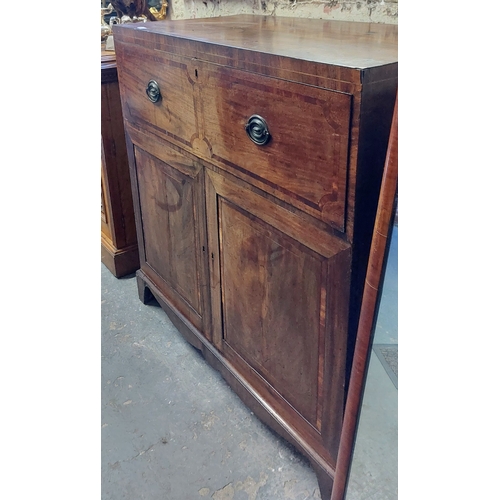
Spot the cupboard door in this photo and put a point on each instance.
(280, 309)
(174, 247)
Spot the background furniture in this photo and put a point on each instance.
(119, 250)
(257, 146)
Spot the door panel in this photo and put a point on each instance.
(277, 317)
(174, 247)
(271, 315)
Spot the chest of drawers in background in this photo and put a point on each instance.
(257, 146)
(119, 250)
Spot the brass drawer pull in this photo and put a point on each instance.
(153, 91)
(257, 130)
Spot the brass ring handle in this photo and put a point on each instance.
(153, 91)
(257, 130)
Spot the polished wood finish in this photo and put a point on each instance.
(258, 254)
(273, 281)
(315, 178)
(119, 251)
(342, 45)
(212, 125)
(171, 198)
(369, 308)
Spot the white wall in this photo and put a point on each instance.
(376, 11)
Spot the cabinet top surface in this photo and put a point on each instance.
(341, 43)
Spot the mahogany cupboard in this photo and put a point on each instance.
(119, 251)
(256, 146)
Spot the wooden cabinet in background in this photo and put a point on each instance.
(257, 146)
(119, 250)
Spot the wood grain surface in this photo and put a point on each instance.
(348, 44)
(119, 250)
(369, 307)
(258, 253)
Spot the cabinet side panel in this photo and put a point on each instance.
(376, 107)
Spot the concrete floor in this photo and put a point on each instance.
(172, 429)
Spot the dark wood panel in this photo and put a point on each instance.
(276, 316)
(305, 161)
(174, 115)
(169, 206)
(106, 220)
(271, 301)
(379, 251)
(334, 43)
(117, 175)
(270, 244)
(119, 250)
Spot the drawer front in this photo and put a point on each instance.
(173, 116)
(305, 160)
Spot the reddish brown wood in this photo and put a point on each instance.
(273, 323)
(369, 306)
(119, 250)
(259, 253)
(345, 46)
(171, 210)
(305, 162)
(177, 56)
(173, 116)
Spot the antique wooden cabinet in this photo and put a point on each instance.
(256, 147)
(119, 250)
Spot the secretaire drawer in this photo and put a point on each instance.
(288, 138)
(157, 92)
